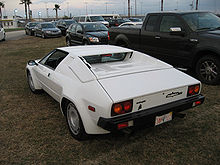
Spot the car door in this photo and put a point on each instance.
(46, 73)
(149, 43)
(72, 34)
(79, 34)
(37, 29)
(172, 48)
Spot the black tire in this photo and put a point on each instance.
(35, 34)
(208, 70)
(26, 32)
(74, 122)
(4, 38)
(85, 43)
(68, 43)
(31, 83)
(43, 36)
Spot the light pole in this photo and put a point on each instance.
(135, 7)
(86, 3)
(106, 9)
(197, 4)
(161, 5)
(129, 8)
(68, 12)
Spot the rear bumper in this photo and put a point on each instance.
(147, 117)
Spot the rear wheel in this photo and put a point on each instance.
(74, 122)
(35, 34)
(208, 70)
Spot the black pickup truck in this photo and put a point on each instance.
(188, 40)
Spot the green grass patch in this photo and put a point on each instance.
(33, 130)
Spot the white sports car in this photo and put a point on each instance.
(106, 88)
(2, 33)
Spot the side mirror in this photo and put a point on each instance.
(177, 31)
(32, 63)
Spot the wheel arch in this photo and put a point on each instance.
(122, 40)
(89, 125)
(203, 53)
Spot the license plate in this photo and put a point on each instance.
(164, 118)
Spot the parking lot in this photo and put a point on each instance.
(33, 130)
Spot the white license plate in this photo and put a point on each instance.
(164, 118)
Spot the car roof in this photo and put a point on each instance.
(93, 50)
(178, 12)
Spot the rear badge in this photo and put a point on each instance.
(140, 102)
(173, 94)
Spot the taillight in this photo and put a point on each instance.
(108, 36)
(193, 90)
(122, 107)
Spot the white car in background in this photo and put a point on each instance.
(127, 24)
(103, 88)
(2, 33)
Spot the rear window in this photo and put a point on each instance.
(103, 58)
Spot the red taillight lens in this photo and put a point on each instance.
(122, 107)
(118, 108)
(108, 36)
(193, 90)
(127, 106)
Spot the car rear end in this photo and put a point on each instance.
(144, 90)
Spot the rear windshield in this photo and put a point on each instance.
(103, 58)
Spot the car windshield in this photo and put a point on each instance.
(96, 18)
(49, 25)
(95, 27)
(33, 24)
(94, 59)
(70, 22)
(135, 20)
(202, 21)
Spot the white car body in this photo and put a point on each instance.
(2, 33)
(142, 78)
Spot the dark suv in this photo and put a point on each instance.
(87, 33)
(63, 25)
(183, 39)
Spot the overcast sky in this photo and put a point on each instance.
(78, 7)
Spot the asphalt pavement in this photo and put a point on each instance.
(15, 35)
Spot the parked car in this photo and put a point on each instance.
(2, 33)
(63, 25)
(117, 22)
(184, 39)
(128, 24)
(30, 27)
(103, 88)
(46, 30)
(87, 33)
(135, 20)
(54, 23)
(91, 18)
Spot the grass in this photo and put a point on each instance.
(33, 131)
(13, 29)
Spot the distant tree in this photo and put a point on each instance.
(2, 5)
(25, 6)
(29, 11)
(56, 8)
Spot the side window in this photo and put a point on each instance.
(54, 58)
(73, 28)
(151, 22)
(169, 21)
(82, 19)
(78, 28)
